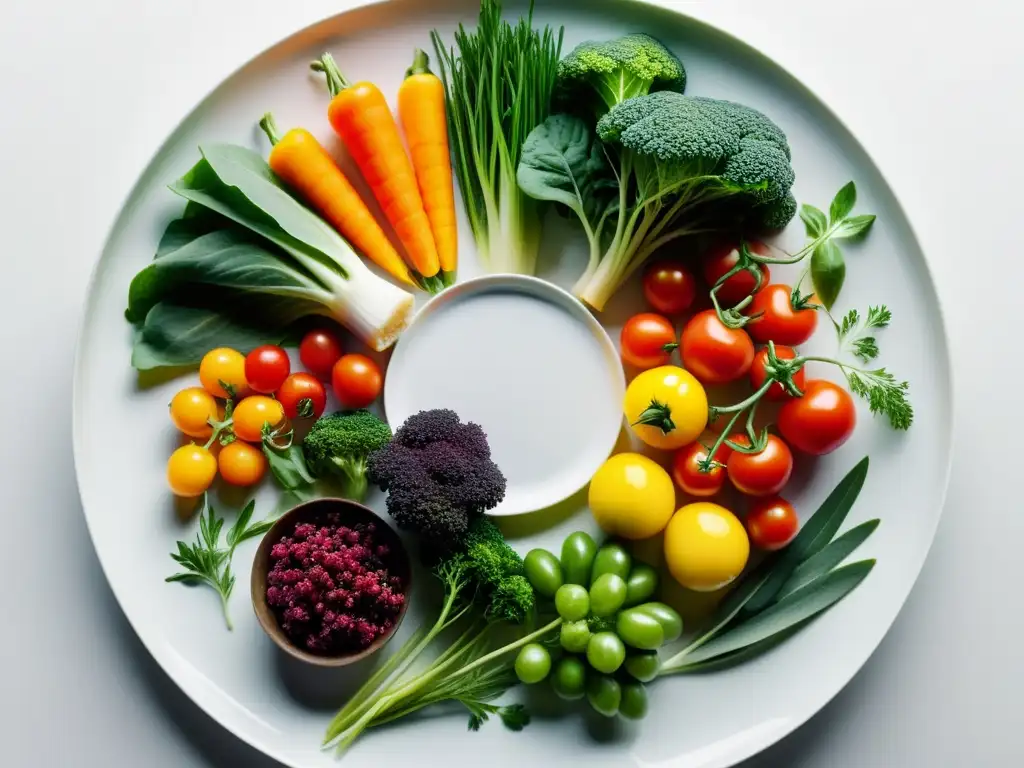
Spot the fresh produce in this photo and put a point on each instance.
(206, 561)
(253, 415)
(572, 601)
(266, 368)
(771, 523)
(631, 496)
(357, 380)
(821, 420)
(192, 410)
(303, 164)
(604, 694)
(606, 652)
(244, 264)
(607, 594)
(655, 168)
(222, 373)
(671, 622)
(759, 373)
(666, 407)
(439, 476)
(574, 636)
(647, 340)
(713, 352)
(612, 558)
(569, 678)
(338, 447)
(777, 317)
(641, 584)
(643, 666)
(762, 471)
(544, 572)
(669, 287)
(330, 588)
(191, 470)
(361, 117)
(578, 553)
(639, 630)
(421, 109)
(241, 464)
(633, 705)
(319, 350)
(499, 80)
(687, 469)
(706, 547)
(302, 396)
(533, 663)
(732, 285)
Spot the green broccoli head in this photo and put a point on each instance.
(602, 75)
(339, 444)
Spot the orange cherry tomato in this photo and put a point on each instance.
(713, 352)
(241, 464)
(758, 374)
(771, 523)
(820, 421)
(191, 411)
(779, 321)
(647, 340)
(357, 381)
(669, 287)
(760, 474)
(191, 470)
(252, 413)
(723, 258)
(686, 469)
(223, 369)
(302, 396)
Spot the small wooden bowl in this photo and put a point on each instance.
(316, 512)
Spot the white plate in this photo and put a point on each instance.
(122, 435)
(527, 362)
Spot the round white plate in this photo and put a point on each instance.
(122, 435)
(550, 403)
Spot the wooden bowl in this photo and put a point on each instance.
(315, 512)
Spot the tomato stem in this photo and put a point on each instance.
(657, 415)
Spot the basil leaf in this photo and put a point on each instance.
(813, 537)
(288, 466)
(824, 561)
(828, 272)
(791, 611)
(842, 203)
(814, 220)
(854, 227)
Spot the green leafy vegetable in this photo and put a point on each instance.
(828, 271)
(854, 332)
(828, 264)
(819, 564)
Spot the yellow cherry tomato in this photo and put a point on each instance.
(241, 463)
(632, 496)
(252, 413)
(223, 366)
(706, 546)
(666, 407)
(191, 410)
(191, 470)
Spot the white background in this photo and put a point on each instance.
(90, 87)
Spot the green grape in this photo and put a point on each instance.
(633, 705)
(605, 652)
(668, 617)
(641, 584)
(639, 629)
(611, 558)
(607, 594)
(604, 694)
(572, 602)
(643, 666)
(569, 678)
(574, 636)
(578, 551)
(543, 571)
(533, 663)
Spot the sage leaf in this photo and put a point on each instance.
(813, 537)
(842, 203)
(854, 227)
(727, 660)
(828, 272)
(814, 220)
(824, 561)
(792, 610)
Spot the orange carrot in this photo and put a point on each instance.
(422, 112)
(303, 164)
(360, 115)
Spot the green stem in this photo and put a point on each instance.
(551, 626)
(657, 415)
(227, 614)
(269, 127)
(336, 82)
(420, 64)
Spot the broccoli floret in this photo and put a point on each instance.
(600, 75)
(338, 446)
(496, 573)
(439, 477)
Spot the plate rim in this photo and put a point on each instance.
(747, 748)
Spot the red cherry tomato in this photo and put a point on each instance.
(772, 523)
(319, 351)
(687, 474)
(820, 421)
(668, 287)
(760, 474)
(722, 259)
(712, 351)
(779, 321)
(302, 396)
(758, 374)
(647, 340)
(357, 381)
(266, 368)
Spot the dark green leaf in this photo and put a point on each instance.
(514, 716)
(813, 537)
(814, 220)
(288, 466)
(824, 561)
(185, 578)
(238, 529)
(854, 227)
(842, 203)
(727, 660)
(788, 612)
(828, 271)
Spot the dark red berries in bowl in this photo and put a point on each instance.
(330, 582)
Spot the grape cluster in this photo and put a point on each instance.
(610, 631)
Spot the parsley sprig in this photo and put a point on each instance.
(206, 562)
